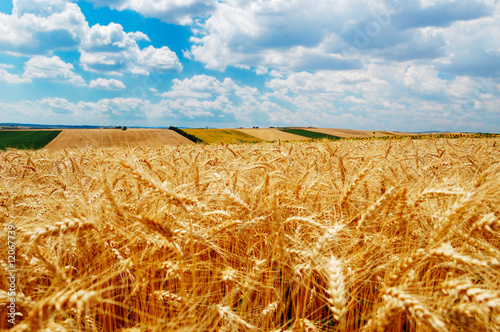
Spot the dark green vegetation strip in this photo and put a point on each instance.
(26, 139)
(310, 134)
(188, 136)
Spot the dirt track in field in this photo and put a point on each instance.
(272, 134)
(100, 138)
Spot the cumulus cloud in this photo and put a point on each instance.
(51, 69)
(410, 97)
(329, 35)
(110, 50)
(38, 7)
(354, 64)
(139, 36)
(159, 59)
(354, 100)
(105, 84)
(423, 79)
(205, 98)
(253, 33)
(331, 82)
(289, 35)
(12, 78)
(41, 26)
(473, 47)
(285, 35)
(107, 38)
(439, 13)
(102, 112)
(364, 99)
(360, 99)
(199, 86)
(170, 11)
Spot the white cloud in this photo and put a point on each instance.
(159, 59)
(107, 38)
(423, 79)
(51, 69)
(139, 36)
(41, 26)
(332, 63)
(331, 35)
(261, 70)
(353, 100)
(407, 97)
(105, 84)
(377, 97)
(331, 82)
(42, 8)
(473, 47)
(278, 34)
(440, 13)
(110, 50)
(104, 112)
(171, 11)
(12, 78)
(199, 86)
(58, 105)
(205, 98)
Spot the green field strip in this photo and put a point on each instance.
(310, 134)
(26, 139)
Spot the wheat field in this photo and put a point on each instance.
(107, 138)
(223, 135)
(298, 236)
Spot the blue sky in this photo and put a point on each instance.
(381, 65)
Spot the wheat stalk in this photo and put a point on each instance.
(336, 289)
(408, 303)
(233, 320)
(60, 227)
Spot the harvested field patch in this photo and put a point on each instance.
(225, 135)
(73, 138)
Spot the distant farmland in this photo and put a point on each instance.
(26, 139)
(34, 139)
(74, 138)
(272, 134)
(310, 134)
(225, 135)
(348, 133)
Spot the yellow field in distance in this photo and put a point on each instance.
(348, 133)
(225, 135)
(272, 134)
